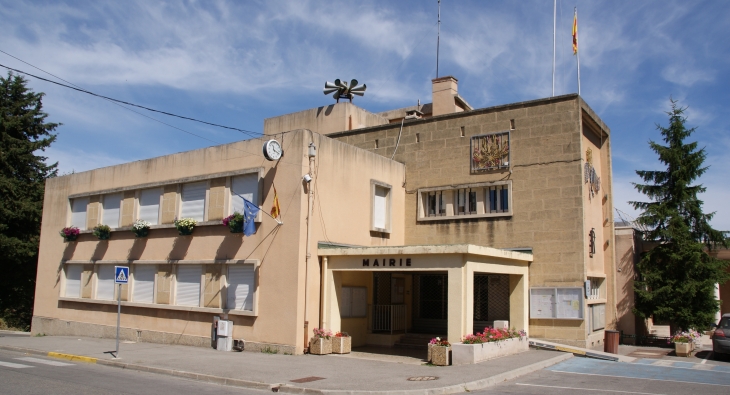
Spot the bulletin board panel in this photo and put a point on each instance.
(557, 303)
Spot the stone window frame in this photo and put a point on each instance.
(179, 182)
(388, 206)
(481, 187)
(170, 307)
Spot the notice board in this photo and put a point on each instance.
(560, 303)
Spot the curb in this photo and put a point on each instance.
(285, 388)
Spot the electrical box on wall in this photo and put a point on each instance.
(225, 328)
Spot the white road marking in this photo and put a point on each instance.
(640, 378)
(588, 389)
(44, 361)
(704, 361)
(14, 365)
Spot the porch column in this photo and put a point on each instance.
(457, 304)
(518, 297)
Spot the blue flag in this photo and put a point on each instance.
(249, 216)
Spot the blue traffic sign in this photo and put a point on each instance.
(121, 274)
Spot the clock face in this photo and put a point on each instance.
(272, 150)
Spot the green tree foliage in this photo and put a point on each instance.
(23, 134)
(676, 279)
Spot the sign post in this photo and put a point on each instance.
(121, 276)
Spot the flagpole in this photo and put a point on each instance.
(555, 7)
(577, 52)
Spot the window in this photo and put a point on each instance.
(594, 289)
(110, 213)
(105, 282)
(240, 285)
(78, 212)
(498, 199)
(380, 206)
(246, 187)
(73, 281)
(144, 283)
(354, 302)
(193, 201)
(188, 285)
(488, 199)
(436, 204)
(149, 205)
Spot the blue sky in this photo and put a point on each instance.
(236, 63)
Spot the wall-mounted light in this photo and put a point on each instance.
(307, 178)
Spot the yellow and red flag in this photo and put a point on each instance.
(575, 32)
(275, 210)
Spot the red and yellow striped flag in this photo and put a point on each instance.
(575, 32)
(275, 210)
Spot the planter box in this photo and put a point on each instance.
(320, 346)
(683, 349)
(440, 355)
(341, 345)
(474, 353)
(430, 346)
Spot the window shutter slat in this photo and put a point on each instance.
(247, 186)
(144, 283)
(105, 282)
(78, 212)
(110, 215)
(73, 281)
(240, 287)
(193, 201)
(188, 285)
(149, 205)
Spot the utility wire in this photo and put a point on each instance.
(247, 132)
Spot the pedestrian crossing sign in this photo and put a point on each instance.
(121, 274)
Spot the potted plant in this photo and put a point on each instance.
(489, 344)
(321, 343)
(102, 232)
(185, 226)
(439, 351)
(141, 228)
(341, 343)
(69, 233)
(684, 342)
(234, 222)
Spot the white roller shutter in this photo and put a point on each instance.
(110, 214)
(380, 205)
(193, 201)
(149, 205)
(144, 283)
(78, 212)
(73, 281)
(240, 287)
(105, 282)
(188, 285)
(246, 186)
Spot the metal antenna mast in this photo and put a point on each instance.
(438, 41)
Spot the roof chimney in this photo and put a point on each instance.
(445, 96)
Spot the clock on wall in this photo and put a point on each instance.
(273, 150)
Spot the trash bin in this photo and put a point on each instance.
(610, 342)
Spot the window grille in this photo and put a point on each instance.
(490, 151)
(498, 199)
(436, 204)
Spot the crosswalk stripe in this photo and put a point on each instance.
(14, 365)
(44, 361)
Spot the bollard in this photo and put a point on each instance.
(610, 342)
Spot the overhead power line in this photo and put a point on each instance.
(247, 132)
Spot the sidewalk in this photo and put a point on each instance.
(315, 374)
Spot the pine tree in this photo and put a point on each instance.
(676, 279)
(23, 133)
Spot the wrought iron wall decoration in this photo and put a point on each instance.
(592, 242)
(490, 151)
(590, 176)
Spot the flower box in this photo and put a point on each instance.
(683, 349)
(320, 346)
(69, 233)
(341, 344)
(141, 228)
(440, 355)
(463, 354)
(102, 232)
(185, 226)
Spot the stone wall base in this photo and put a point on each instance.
(56, 327)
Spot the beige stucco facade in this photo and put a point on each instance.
(522, 224)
